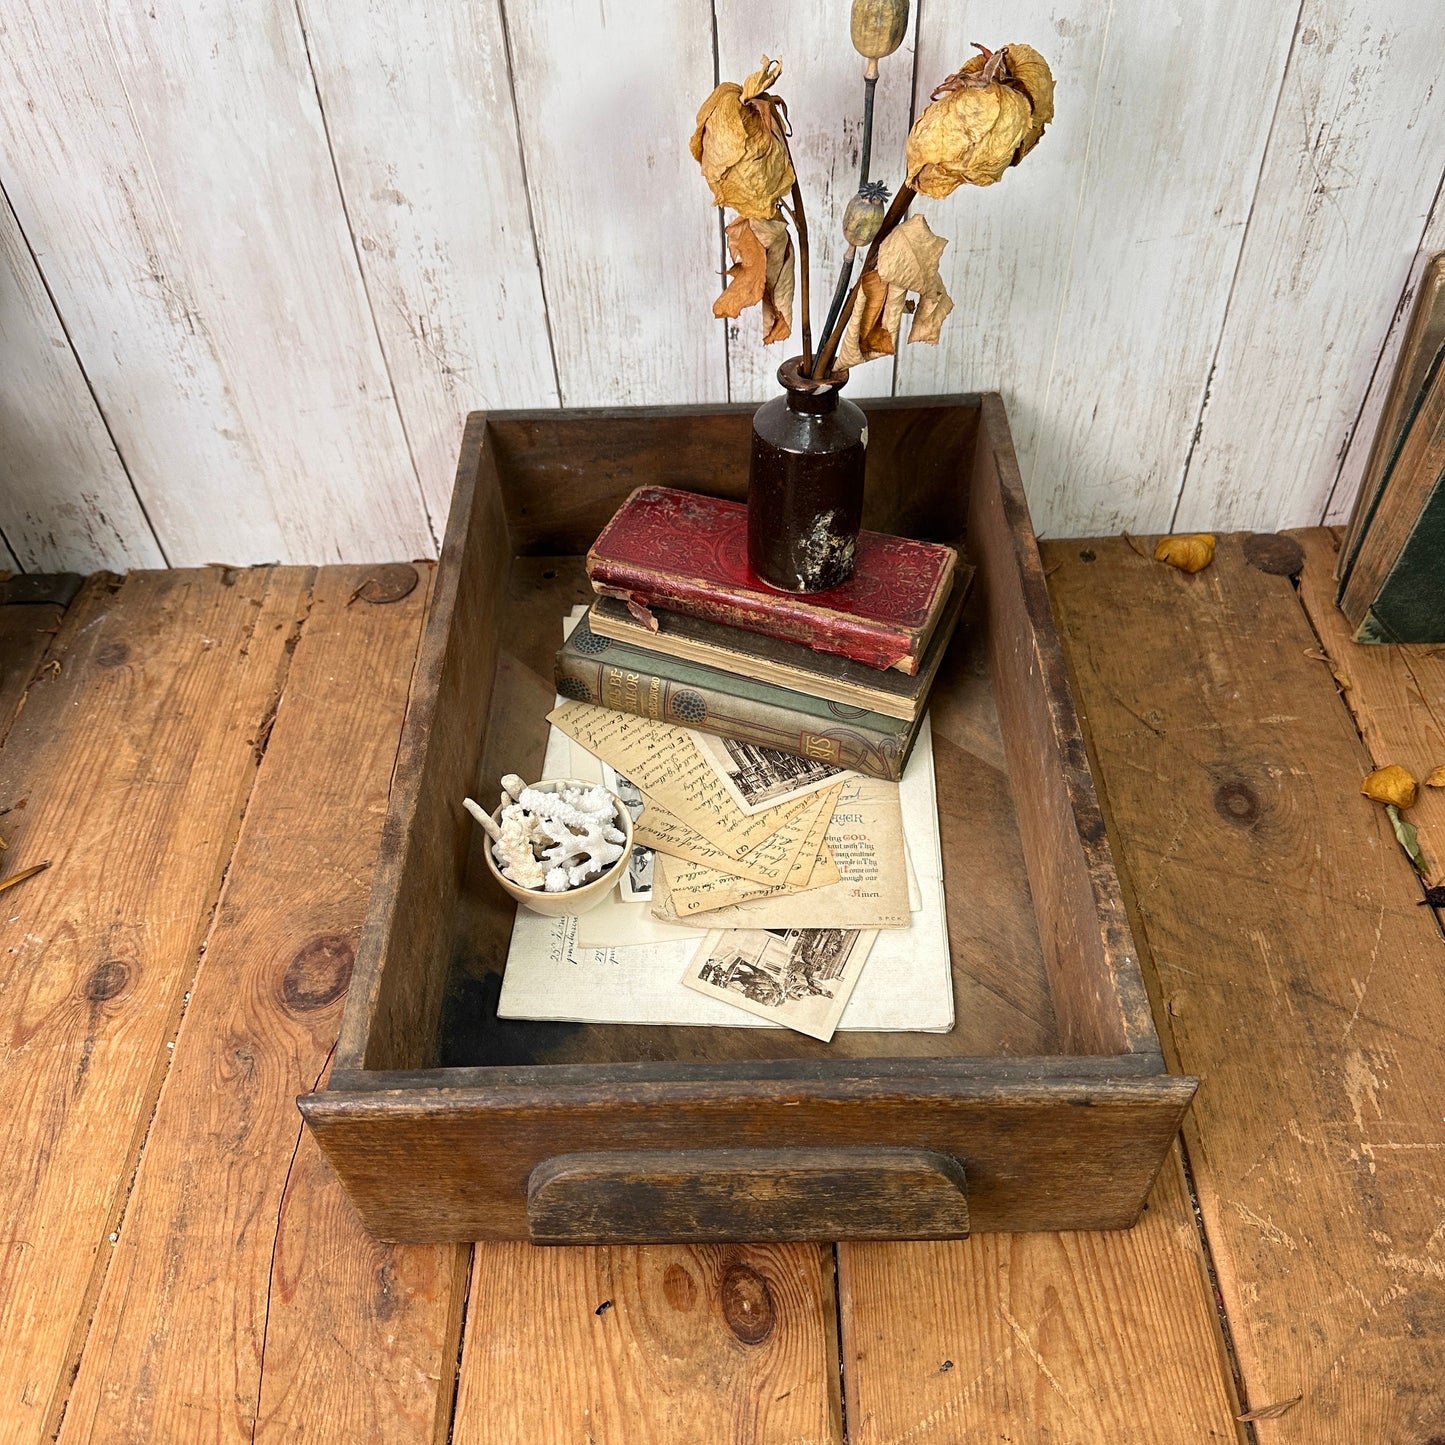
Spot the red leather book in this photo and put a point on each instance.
(681, 552)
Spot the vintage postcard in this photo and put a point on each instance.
(801, 978)
(757, 778)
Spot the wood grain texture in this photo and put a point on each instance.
(1340, 196)
(710, 1344)
(129, 767)
(418, 106)
(1067, 1337)
(26, 630)
(822, 83)
(65, 499)
(1150, 259)
(1043, 1148)
(1396, 695)
(177, 1345)
(392, 1015)
(1098, 992)
(1298, 979)
(629, 245)
(170, 168)
(702, 1196)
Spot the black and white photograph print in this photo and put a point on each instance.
(758, 777)
(800, 978)
(637, 881)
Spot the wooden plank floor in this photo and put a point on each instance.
(204, 757)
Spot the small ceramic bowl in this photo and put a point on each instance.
(574, 900)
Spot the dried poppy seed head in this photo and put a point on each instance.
(864, 214)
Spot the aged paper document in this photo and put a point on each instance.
(664, 762)
(781, 861)
(864, 837)
(907, 985)
(800, 978)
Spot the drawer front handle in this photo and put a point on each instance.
(662, 1196)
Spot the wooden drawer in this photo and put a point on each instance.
(1047, 1107)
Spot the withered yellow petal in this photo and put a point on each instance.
(1392, 784)
(1189, 551)
(968, 135)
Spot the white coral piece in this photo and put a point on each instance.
(553, 841)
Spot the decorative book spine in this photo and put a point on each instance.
(866, 743)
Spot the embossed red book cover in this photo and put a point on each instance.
(687, 553)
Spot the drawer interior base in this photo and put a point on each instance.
(1002, 1002)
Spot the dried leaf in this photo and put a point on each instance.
(740, 143)
(867, 335)
(908, 259)
(1435, 778)
(762, 271)
(1271, 1412)
(1408, 837)
(1434, 896)
(1189, 551)
(1392, 784)
(907, 262)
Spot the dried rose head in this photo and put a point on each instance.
(741, 144)
(983, 119)
(878, 26)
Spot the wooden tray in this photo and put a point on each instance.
(1048, 1105)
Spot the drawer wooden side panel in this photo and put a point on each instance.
(435, 1165)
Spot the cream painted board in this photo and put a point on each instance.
(607, 91)
(65, 501)
(1352, 470)
(1148, 263)
(419, 111)
(1348, 183)
(169, 166)
(822, 83)
(1007, 263)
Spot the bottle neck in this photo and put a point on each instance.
(810, 398)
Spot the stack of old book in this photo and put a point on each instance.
(683, 632)
(783, 835)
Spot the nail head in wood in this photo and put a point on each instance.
(1274, 553)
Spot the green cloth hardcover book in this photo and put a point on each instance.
(630, 679)
(1410, 605)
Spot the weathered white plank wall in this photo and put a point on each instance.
(65, 500)
(168, 165)
(1341, 204)
(607, 90)
(263, 258)
(417, 100)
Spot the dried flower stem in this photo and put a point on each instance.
(845, 271)
(800, 224)
(834, 337)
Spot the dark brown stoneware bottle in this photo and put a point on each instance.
(805, 483)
